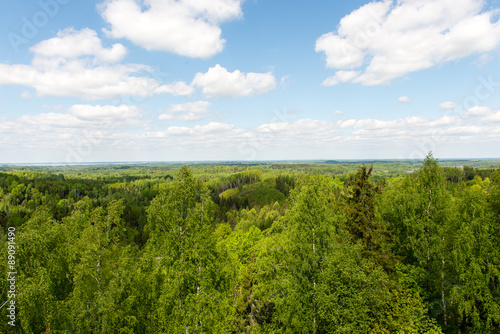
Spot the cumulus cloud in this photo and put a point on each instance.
(339, 77)
(190, 111)
(338, 112)
(213, 135)
(107, 112)
(85, 117)
(403, 99)
(213, 127)
(74, 133)
(478, 111)
(410, 121)
(219, 82)
(301, 126)
(463, 130)
(72, 44)
(389, 39)
(76, 64)
(52, 121)
(346, 123)
(448, 105)
(185, 27)
(492, 118)
(179, 88)
(198, 132)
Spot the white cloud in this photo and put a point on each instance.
(392, 39)
(52, 107)
(211, 135)
(463, 130)
(448, 105)
(52, 121)
(478, 111)
(338, 112)
(411, 121)
(190, 111)
(340, 76)
(340, 53)
(81, 130)
(84, 117)
(108, 129)
(106, 112)
(493, 118)
(370, 123)
(185, 27)
(178, 130)
(219, 82)
(403, 99)
(79, 79)
(346, 124)
(179, 88)
(444, 121)
(213, 127)
(198, 133)
(72, 65)
(285, 81)
(72, 44)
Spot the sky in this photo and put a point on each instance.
(197, 80)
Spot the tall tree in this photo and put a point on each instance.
(294, 256)
(97, 267)
(475, 292)
(363, 222)
(42, 282)
(194, 295)
(419, 210)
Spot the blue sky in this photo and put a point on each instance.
(165, 80)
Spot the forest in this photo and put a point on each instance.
(379, 247)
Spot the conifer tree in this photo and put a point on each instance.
(363, 222)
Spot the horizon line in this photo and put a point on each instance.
(139, 162)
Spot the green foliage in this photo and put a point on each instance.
(42, 255)
(229, 193)
(305, 234)
(475, 255)
(363, 222)
(285, 183)
(254, 248)
(194, 293)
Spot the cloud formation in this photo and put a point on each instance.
(95, 113)
(108, 128)
(189, 111)
(219, 82)
(76, 64)
(339, 77)
(448, 105)
(72, 44)
(403, 99)
(185, 27)
(478, 111)
(384, 40)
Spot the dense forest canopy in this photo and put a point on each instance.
(385, 247)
